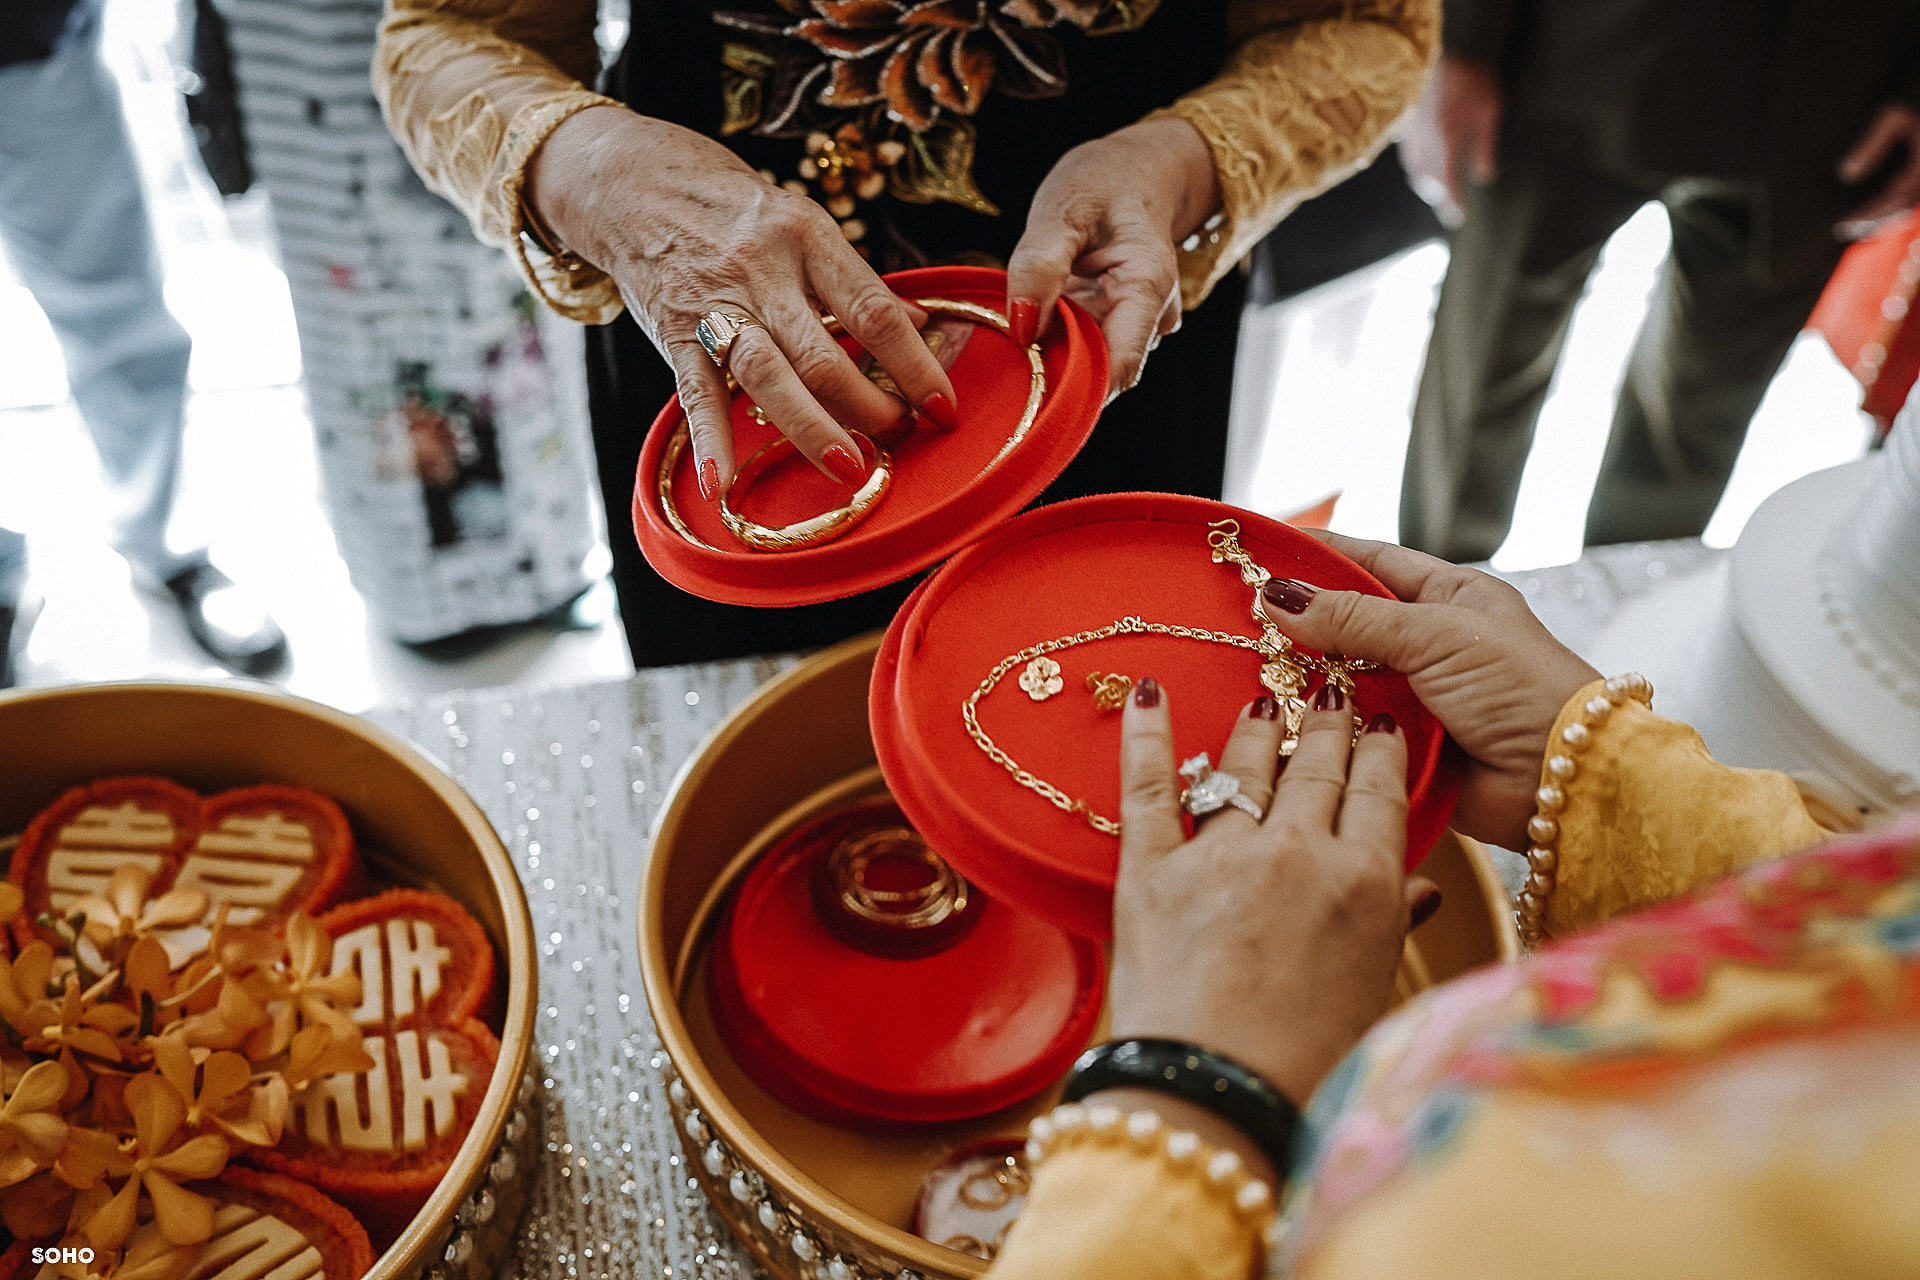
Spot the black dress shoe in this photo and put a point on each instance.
(226, 621)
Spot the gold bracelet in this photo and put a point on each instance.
(1283, 671)
(824, 527)
(1543, 830)
(950, 307)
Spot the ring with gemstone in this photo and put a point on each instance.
(719, 330)
(1209, 792)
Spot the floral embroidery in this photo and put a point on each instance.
(884, 91)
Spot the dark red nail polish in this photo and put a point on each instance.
(1263, 708)
(941, 411)
(1023, 320)
(709, 479)
(845, 464)
(1329, 698)
(1424, 907)
(1147, 693)
(1382, 723)
(1289, 596)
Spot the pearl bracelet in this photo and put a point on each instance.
(1073, 1124)
(1543, 830)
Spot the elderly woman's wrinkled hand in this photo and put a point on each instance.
(1103, 230)
(1473, 652)
(686, 228)
(1274, 941)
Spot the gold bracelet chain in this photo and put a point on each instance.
(1283, 671)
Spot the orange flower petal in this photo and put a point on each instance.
(196, 1158)
(182, 1216)
(110, 1227)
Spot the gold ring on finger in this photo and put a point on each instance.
(719, 330)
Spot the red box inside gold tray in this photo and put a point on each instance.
(1056, 572)
(948, 486)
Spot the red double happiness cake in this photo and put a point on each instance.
(261, 852)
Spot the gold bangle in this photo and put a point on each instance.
(1543, 829)
(951, 307)
(824, 527)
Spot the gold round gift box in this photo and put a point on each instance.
(414, 825)
(809, 1200)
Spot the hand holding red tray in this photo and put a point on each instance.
(945, 485)
(1055, 573)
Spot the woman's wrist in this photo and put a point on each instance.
(1193, 195)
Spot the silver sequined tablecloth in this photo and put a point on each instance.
(572, 779)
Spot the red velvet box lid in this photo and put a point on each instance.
(947, 486)
(1057, 571)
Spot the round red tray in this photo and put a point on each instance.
(947, 485)
(871, 1041)
(1057, 571)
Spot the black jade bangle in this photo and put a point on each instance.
(1207, 1079)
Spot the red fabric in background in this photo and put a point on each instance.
(940, 499)
(1078, 566)
(1865, 315)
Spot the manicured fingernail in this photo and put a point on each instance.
(845, 464)
(1424, 906)
(1290, 596)
(941, 410)
(1023, 320)
(1263, 708)
(1382, 723)
(1329, 698)
(709, 479)
(1147, 693)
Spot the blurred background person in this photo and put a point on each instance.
(1769, 131)
(75, 228)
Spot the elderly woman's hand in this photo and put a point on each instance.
(1273, 942)
(685, 228)
(1103, 230)
(1473, 652)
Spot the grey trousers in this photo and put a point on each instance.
(1713, 338)
(74, 226)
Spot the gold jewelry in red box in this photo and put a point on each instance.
(1073, 568)
(861, 981)
(1024, 413)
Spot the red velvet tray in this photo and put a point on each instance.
(1057, 571)
(947, 486)
(875, 1042)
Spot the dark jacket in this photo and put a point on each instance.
(34, 30)
(1771, 92)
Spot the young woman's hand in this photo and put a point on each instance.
(1273, 942)
(1473, 652)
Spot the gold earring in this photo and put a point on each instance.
(1109, 691)
(1042, 679)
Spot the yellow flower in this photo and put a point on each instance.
(31, 1130)
(220, 1094)
(25, 986)
(304, 994)
(123, 912)
(11, 900)
(154, 1161)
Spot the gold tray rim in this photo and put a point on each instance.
(411, 1252)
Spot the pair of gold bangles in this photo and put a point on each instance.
(1283, 672)
(829, 525)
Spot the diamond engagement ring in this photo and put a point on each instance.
(1209, 792)
(719, 330)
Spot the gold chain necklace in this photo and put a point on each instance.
(1283, 671)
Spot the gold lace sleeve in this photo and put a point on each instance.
(1305, 101)
(1096, 1212)
(471, 88)
(1649, 816)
